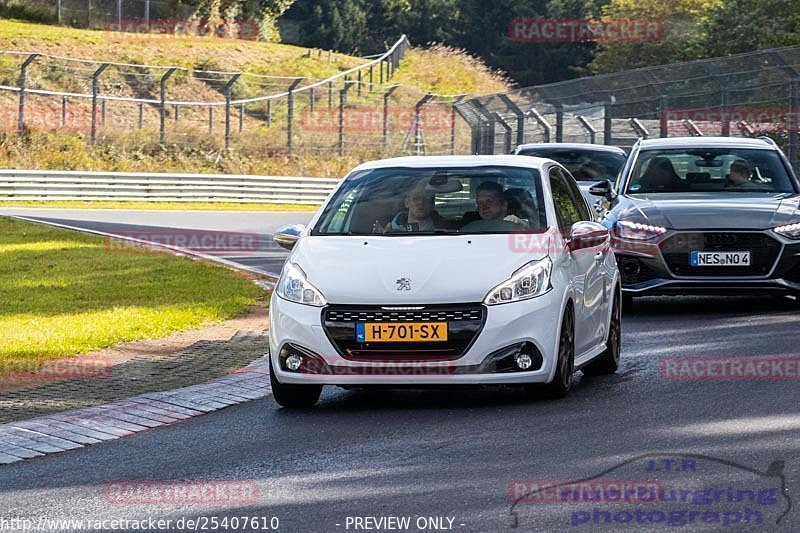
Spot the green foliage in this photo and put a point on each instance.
(736, 26)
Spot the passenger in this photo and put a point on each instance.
(492, 207)
(740, 176)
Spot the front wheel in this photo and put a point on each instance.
(565, 363)
(297, 396)
(608, 361)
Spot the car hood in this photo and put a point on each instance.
(441, 269)
(714, 211)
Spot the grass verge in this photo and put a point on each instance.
(158, 206)
(65, 293)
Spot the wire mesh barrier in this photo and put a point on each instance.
(741, 95)
(355, 112)
(105, 14)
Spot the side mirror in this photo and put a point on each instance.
(603, 188)
(584, 235)
(287, 236)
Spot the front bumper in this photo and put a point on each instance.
(646, 272)
(535, 321)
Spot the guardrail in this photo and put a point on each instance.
(117, 186)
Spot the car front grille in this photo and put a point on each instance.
(763, 250)
(465, 322)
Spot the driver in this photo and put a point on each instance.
(419, 213)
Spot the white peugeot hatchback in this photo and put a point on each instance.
(462, 270)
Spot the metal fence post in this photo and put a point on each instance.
(453, 123)
(58, 11)
(359, 83)
(269, 113)
(663, 106)
(559, 124)
(588, 127)
(176, 111)
(311, 99)
(119, 14)
(22, 80)
(241, 118)
(386, 95)
(63, 111)
(95, 90)
(162, 138)
(507, 128)
(147, 13)
(290, 114)
(228, 89)
(607, 124)
(141, 115)
(371, 78)
(342, 101)
(546, 127)
(514, 108)
(330, 95)
(419, 144)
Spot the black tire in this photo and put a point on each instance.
(608, 361)
(565, 365)
(293, 396)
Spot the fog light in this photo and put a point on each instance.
(293, 362)
(523, 361)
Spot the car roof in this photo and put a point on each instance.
(709, 142)
(574, 146)
(456, 161)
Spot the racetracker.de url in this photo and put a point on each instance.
(196, 523)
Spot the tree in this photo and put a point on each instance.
(736, 26)
(682, 21)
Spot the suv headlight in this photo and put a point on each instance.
(530, 281)
(635, 231)
(792, 231)
(294, 286)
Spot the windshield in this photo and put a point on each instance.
(709, 170)
(584, 165)
(430, 201)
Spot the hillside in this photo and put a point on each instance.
(258, 149)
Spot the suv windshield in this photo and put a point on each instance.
(731, 170)
(430, 201)
(584, 165)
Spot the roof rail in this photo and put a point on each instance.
(768, 140)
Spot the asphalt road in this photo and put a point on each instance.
(466, 455)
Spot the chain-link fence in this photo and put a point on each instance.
(355, 112)
(742, 95)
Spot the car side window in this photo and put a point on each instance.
(577, 197)
(569, 208)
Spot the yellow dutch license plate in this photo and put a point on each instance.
(401, 331)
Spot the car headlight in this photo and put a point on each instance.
(791, 231)
(530, 281)
(294, 286)
(635, 231)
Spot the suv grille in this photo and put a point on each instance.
(763, 250)
(465, 322)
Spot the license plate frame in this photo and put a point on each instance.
(720, 259)
(402, 331)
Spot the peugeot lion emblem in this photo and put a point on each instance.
(403, 284)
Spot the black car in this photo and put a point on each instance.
(705, 215)
(588, 163)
